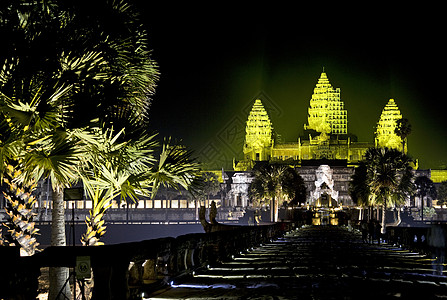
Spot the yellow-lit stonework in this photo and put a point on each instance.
(325, 154)
(258, 134)
(326, 113)
(325, 136)
(385, 130)
(438, 176)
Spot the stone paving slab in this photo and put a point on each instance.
(320, 262)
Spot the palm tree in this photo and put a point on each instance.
(19, 198)
(174, 168)
(442, 193)
(387, 172)
(55, 157)
(405, 190)
(128, 169)
(19, 208)
(425, 188)
(208, 185)
(33, 105)
(68, 56)
(32, 116)
(403, 129)
(274, 182)
(358, 187)
(294, 187)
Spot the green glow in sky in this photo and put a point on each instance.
(213, 66)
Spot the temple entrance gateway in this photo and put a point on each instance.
(324, 212)
(324, 194)
(324, 198)
(325, 216)
(326, 201)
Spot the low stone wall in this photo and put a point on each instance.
(138, 215)
(125, 271)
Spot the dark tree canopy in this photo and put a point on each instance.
(99, 47)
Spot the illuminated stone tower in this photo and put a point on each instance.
(258, 134)
(385, 136)
(326, 113)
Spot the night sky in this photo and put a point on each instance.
(216, 60)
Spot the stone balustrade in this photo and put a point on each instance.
(126, 271)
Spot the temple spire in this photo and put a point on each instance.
(258, 134)
(385, 130)
(326, 113)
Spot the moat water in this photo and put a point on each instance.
(122, 233)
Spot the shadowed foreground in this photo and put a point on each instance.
(316, 263)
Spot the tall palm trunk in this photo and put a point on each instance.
(196, 207)
(274, 209)
(397, 220)
(422, 207)
(383, 230)
(58, 275)
(19, 208)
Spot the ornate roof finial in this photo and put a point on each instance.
(323, 69)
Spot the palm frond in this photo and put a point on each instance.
(56, 158)
(389, 176)
(175, 168)
(20, 113)
(89, 66)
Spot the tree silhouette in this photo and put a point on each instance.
(276, 183)
(69, 65)
(403, 130)
(425, 188)
(442, 193)
(388, 174)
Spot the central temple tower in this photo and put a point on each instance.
(326, 113)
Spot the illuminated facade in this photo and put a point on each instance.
(325, 136)
(326, 113)
(438, 176)
(385, 130)
(332, 182)
(258, 134)
(325, 155)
